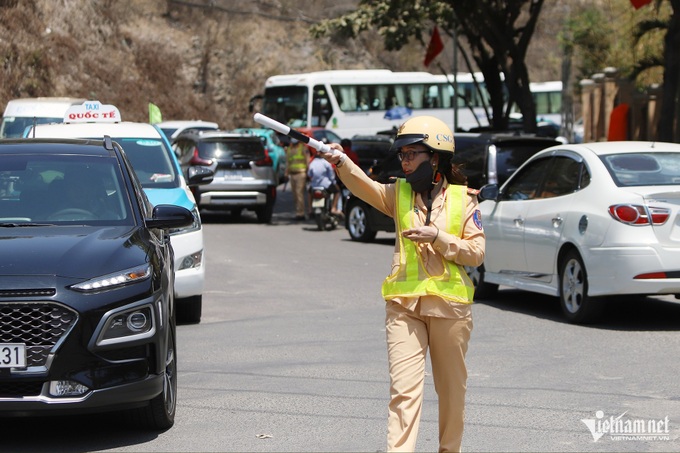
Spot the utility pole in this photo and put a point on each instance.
(455, 74)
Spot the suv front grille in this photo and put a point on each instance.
(28, 292)
(38, 325)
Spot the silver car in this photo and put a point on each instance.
(244, 173)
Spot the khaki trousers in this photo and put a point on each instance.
(298, 182)
(408, 337)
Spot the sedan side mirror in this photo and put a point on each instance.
(489, 192)
(198, 175)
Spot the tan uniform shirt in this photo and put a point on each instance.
(467, 250)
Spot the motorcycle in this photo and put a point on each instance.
(322, 201)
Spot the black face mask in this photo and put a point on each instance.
(421, 178)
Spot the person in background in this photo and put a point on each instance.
(428, 294)
(346, 144)
(298, 163)
(321, 174)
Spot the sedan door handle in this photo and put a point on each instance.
(519, 222)
(557, 221)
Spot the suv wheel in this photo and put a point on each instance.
(357, 223)
(159, 414)
(236, 213)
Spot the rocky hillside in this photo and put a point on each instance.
(194, 59)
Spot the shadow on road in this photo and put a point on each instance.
(627, 313)
(75, 433)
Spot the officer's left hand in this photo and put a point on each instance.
(421, 234)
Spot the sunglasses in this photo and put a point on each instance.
(409, 155)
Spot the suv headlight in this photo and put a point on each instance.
(127, 325)
(195, 225)
(114, 280)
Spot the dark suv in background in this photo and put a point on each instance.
(485, 158)
(244, 174)
(371, 149)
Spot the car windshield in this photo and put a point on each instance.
(62, 189)
(151, 161)
(287, 105)
(643, 169)
(13, 127)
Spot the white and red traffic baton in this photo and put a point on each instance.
(292, 133)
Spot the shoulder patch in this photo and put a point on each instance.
(477, 218)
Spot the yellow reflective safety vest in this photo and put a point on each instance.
(297, 158)
(411, 279)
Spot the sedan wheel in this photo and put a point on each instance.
(577, 306)
(357, 224)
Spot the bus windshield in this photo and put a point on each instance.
(286, 104)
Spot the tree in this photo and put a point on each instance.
(498, 33)
(670, 104)
(668, 59)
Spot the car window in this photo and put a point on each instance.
(151, 161)
(565, 176)
(332, 137)
(470, 155)
(57, 188)
(641, 169)
(387, 170)
(370, 151)
(230, 149)
(510, 156)
(525, 184)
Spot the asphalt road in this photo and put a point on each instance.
(290, 356)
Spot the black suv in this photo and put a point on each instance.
(371, 149)
(244, 174)
(485, 157)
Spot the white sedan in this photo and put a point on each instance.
(582, 221)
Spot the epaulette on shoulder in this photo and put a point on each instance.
(472, 191)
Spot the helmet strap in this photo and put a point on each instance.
(429, 207)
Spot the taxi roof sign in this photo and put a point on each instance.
(92, 112)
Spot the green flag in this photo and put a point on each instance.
(154, 114)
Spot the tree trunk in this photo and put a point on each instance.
(671, 78)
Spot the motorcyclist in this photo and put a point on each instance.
(321, 174)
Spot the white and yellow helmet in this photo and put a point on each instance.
(428, 130)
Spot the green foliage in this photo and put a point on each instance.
(497, 31)
(590, 32)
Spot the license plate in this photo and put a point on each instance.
(12, 355)
(233, 175)
(318, 202)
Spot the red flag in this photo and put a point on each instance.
(637, 4)
(435, 47)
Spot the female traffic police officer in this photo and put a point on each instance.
(427, 294)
